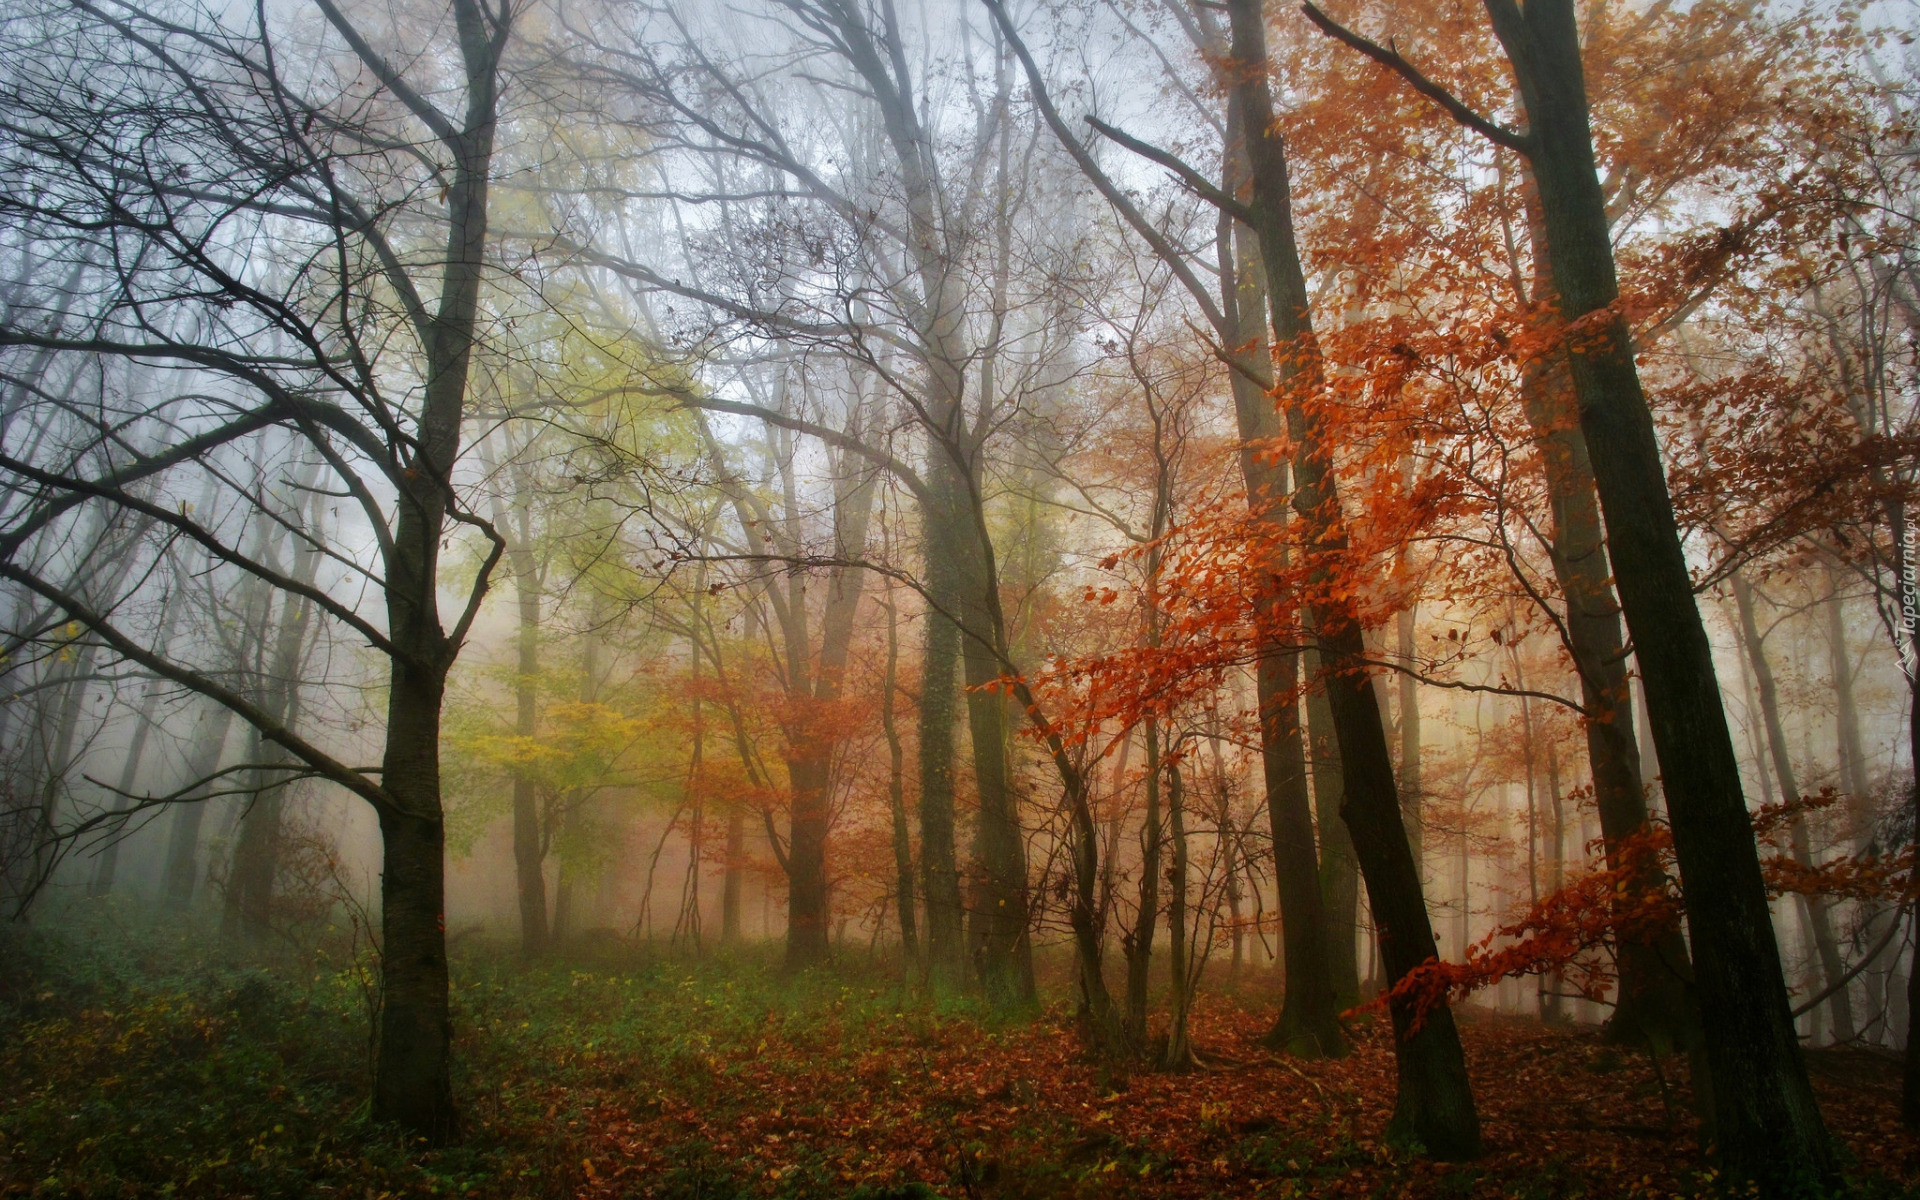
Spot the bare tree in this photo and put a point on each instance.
(290, 232)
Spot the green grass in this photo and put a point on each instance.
(161, 1064)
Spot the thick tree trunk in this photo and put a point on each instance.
(412, 1084)
(1339, 870)
(412, 1079)
(1769, 1127)
(1435, 1103)
(1004, 954)
(939, 866)
(807, 909)
(1308, 1024)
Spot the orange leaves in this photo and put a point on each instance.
(1575, 932)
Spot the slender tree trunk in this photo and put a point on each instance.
(1411, 783)
(1308, 1023)
(1552, 1009)
(1768, 1124)
(896, 793)
(1179, 1054)
(1138, 942)
(107, 865)
(1910, 1072)
(183, 838)
(1846, 733)
(256, 857)
(529, 858)
(1654, 1005)
(60, 759)
(813, 743)
(1435, 1103)
(1818, 909)
(730, 884)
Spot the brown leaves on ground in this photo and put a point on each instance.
(1018, 1114)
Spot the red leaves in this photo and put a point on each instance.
(1575, 932)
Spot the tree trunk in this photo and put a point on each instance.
(1819, 911)
(1552, 1009)
(107, 865)
(807, 863)
(256, 857)
(1138, 942)
(999, 848)
(1910, 1072)
(1179, 1054)
(1846, 733)
(1308, 1024)
(529, 857)
(1769, 1127)
(1655, 1005)
(896, 794)
(183, 839)
(1339, 871)
(412, 1084)
(1435, 1103)
(939, 867)
(730, 883)
(1411, 784)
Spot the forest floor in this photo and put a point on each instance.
(138, 1066)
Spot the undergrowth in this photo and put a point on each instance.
(162, 1063)
(159, 1061)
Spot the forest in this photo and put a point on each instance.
(959, 598)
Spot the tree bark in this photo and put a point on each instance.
(1655, 1004)
(1137, 945)
(1180, 952)
(1411, 782)
(183, 838)
(256, 856)
(1910, 1069)
(1819, 911)
(529, 846)
(1339, 871)
(108, 863)
(1434, 1106)
(939, 867)
(896, 793)
(1308, 1024)
(1846, 733)
(1769, 1127)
